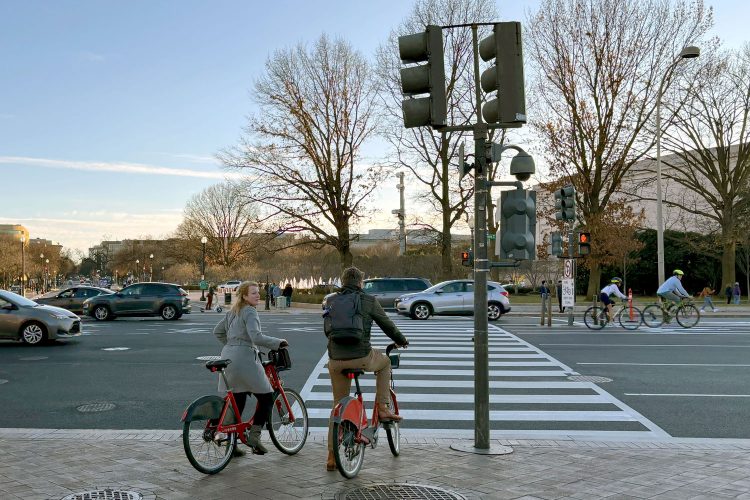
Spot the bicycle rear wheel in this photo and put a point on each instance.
(688, 315)
(348, 452)
(628, 321)
(595, 318)
(393, 431)
(653, 316)
(207, 450)
(289, 437)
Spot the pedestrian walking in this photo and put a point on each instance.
(736, 292)
(543, 290)
(275, 294)
(559, 294)
(287, 293)
(728, 293)
(706, 293)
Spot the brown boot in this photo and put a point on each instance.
(331, 462)
(384, 413)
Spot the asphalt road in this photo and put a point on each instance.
(141, 373)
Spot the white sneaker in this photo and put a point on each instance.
(716, 310)
(701, 309)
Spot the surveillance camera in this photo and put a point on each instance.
(522, 166)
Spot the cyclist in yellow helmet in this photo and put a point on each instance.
(672, 290)
(606, 293)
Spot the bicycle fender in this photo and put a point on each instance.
(346, 410)
(204, 407)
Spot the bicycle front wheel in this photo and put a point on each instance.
(287, 435)
(630, 321)
(393, 432)
(207, 450)
(653, 316)
(595, 318)
(348, 452)
(688, 315)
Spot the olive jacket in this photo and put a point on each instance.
(371, 310)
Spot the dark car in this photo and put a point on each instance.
(73, 298)
(140, 299)
(386, 290)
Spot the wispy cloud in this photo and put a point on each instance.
(118, 167)
(194, 158)
(92, 56)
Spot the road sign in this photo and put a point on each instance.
(203, 285)
(568, 292)
(568, 272)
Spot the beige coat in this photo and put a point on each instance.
(241, 336)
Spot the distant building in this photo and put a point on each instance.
(15, 231)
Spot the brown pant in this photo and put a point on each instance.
(341, 385)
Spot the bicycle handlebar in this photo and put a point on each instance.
(391, 347)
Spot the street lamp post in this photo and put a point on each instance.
(23, 266)
(137, 267)
(46, 274)
(41, 273)
(151, 267)
(204, 240)
(688, 52)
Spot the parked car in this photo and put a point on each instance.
(140, 299)
(386, 290)
(72, 298)
(453, 297)
(25, 320)
(230, 286)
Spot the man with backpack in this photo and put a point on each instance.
(347, 319)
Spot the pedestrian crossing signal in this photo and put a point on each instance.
(467, 258)
(584, 243)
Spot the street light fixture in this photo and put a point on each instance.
(688, 52)
(137, 268)
(23, 266)
(41, 274)
(204, 240)
(151, 267)
(46, 274)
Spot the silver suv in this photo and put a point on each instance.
(386, 290)
(453, 297)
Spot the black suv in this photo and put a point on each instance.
(140, 299)
(386, 290)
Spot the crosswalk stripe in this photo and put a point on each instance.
(440, 356)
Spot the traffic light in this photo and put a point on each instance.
(467, 258)
(517, 215)
(557, 244)
(423, 79)
(506, 75)
(584, 243)
(565, 203)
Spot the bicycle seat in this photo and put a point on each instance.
(352, 371)
(218, 364)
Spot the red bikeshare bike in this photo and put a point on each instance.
(352, 432)
(212, 424)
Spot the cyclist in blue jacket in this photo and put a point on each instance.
(672, 290)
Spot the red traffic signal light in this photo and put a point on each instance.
(467, 258)
(584, 243)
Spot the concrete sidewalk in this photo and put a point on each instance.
(51, 464)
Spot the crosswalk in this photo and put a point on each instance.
(530, 393)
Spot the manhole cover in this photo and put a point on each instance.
(208, 358)
(105, 494)
(401, 491)
(94, 407)
(33, 358)
(590, 378)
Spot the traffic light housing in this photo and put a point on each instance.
(427, 78)
(505, 76)
(517, 232)
(584, 243)
(557, 244)
(565, 203)
(467, 258)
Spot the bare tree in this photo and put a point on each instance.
(302, 150)
(710, 139)
(431, 156)
(230, 221)
(598, 67)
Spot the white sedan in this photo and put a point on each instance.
(230, 286)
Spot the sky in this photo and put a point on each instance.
(111, 113)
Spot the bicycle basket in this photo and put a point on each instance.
(281, 359)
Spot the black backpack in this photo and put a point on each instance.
(342, 319)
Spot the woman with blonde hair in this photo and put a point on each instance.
(240, 334)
